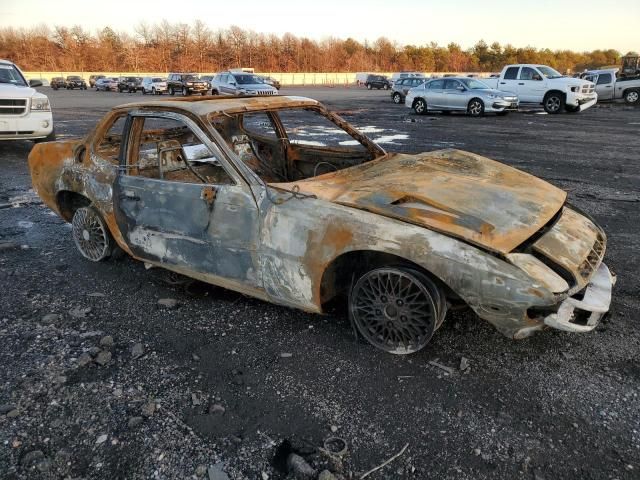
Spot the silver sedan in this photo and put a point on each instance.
(461, 94)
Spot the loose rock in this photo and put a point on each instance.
(51, 318)
(101, 439)
(134, 422)
(148, 409)
(106, 341)
(464, 364)
(6, 408)
(84, 360)
(79, 312)
(300, 468)
(216, 408)
(103, 357)
(326, 475)
(32, 457)
(216, 472)
(201, 470)
(137, 350)
(168, 303)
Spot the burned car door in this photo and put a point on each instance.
(180, 204)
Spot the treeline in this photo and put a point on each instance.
(165, 47)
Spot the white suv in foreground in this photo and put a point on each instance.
(24, 112)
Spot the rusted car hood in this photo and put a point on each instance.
(464, 195)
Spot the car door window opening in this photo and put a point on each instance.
(167, 149)
(286, 145)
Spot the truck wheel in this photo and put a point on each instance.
(369, 87)
(420, 106)
(185, 92)
(475, 107)
(553, 102)
(397, 98)
(91, 234)
(171, 91)
(632, 97)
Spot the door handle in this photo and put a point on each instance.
(503, 83)
(521, 83)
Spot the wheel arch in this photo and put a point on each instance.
(554, 90)
(347, 267)
(69, 201)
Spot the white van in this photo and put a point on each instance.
(24, 112)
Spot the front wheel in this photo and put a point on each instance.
(369, 86)
(397, 98)
(185, 92)
(632, 97)
(396, 309)
(91, 235)
(553, 103)
(475, 108)
(171, 91)
(420, 106)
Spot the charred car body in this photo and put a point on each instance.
(238, 192)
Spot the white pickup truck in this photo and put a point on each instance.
(25, 113)
(542, 85)
(611, 87)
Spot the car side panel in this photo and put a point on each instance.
(301, 237)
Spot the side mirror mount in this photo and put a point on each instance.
(461, 88)
(35, 83)
(232, 83)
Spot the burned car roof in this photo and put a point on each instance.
(214, 104)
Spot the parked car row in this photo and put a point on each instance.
(70, 83)
(224, 83)
(517, 85)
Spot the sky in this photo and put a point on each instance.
(579, 25)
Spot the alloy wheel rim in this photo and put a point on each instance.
(553, 103)
(393, 311)
(633, 97)
(475, 108)
(89, 234)
(420, 107)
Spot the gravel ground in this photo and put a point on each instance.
(113, 371)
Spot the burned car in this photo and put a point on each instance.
(278, 198)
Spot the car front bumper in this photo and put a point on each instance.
(33, 125)
(583, 315)
(500, 105)
(581, 100)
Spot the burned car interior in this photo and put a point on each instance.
(287, 145)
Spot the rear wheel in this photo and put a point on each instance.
(420, 106)
(91, 235)
(475, 107)
(396, 309)
(397, 98)
(632, 97)
(553, 102)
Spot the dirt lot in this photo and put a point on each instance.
(219, 380)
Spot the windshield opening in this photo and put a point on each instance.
(10, 74)
(247, 79)
(549, 72)
(473, 84)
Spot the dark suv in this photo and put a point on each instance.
(187, 83)
(57, 82)
(377, 81)
(74, 81)
(129, 84)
